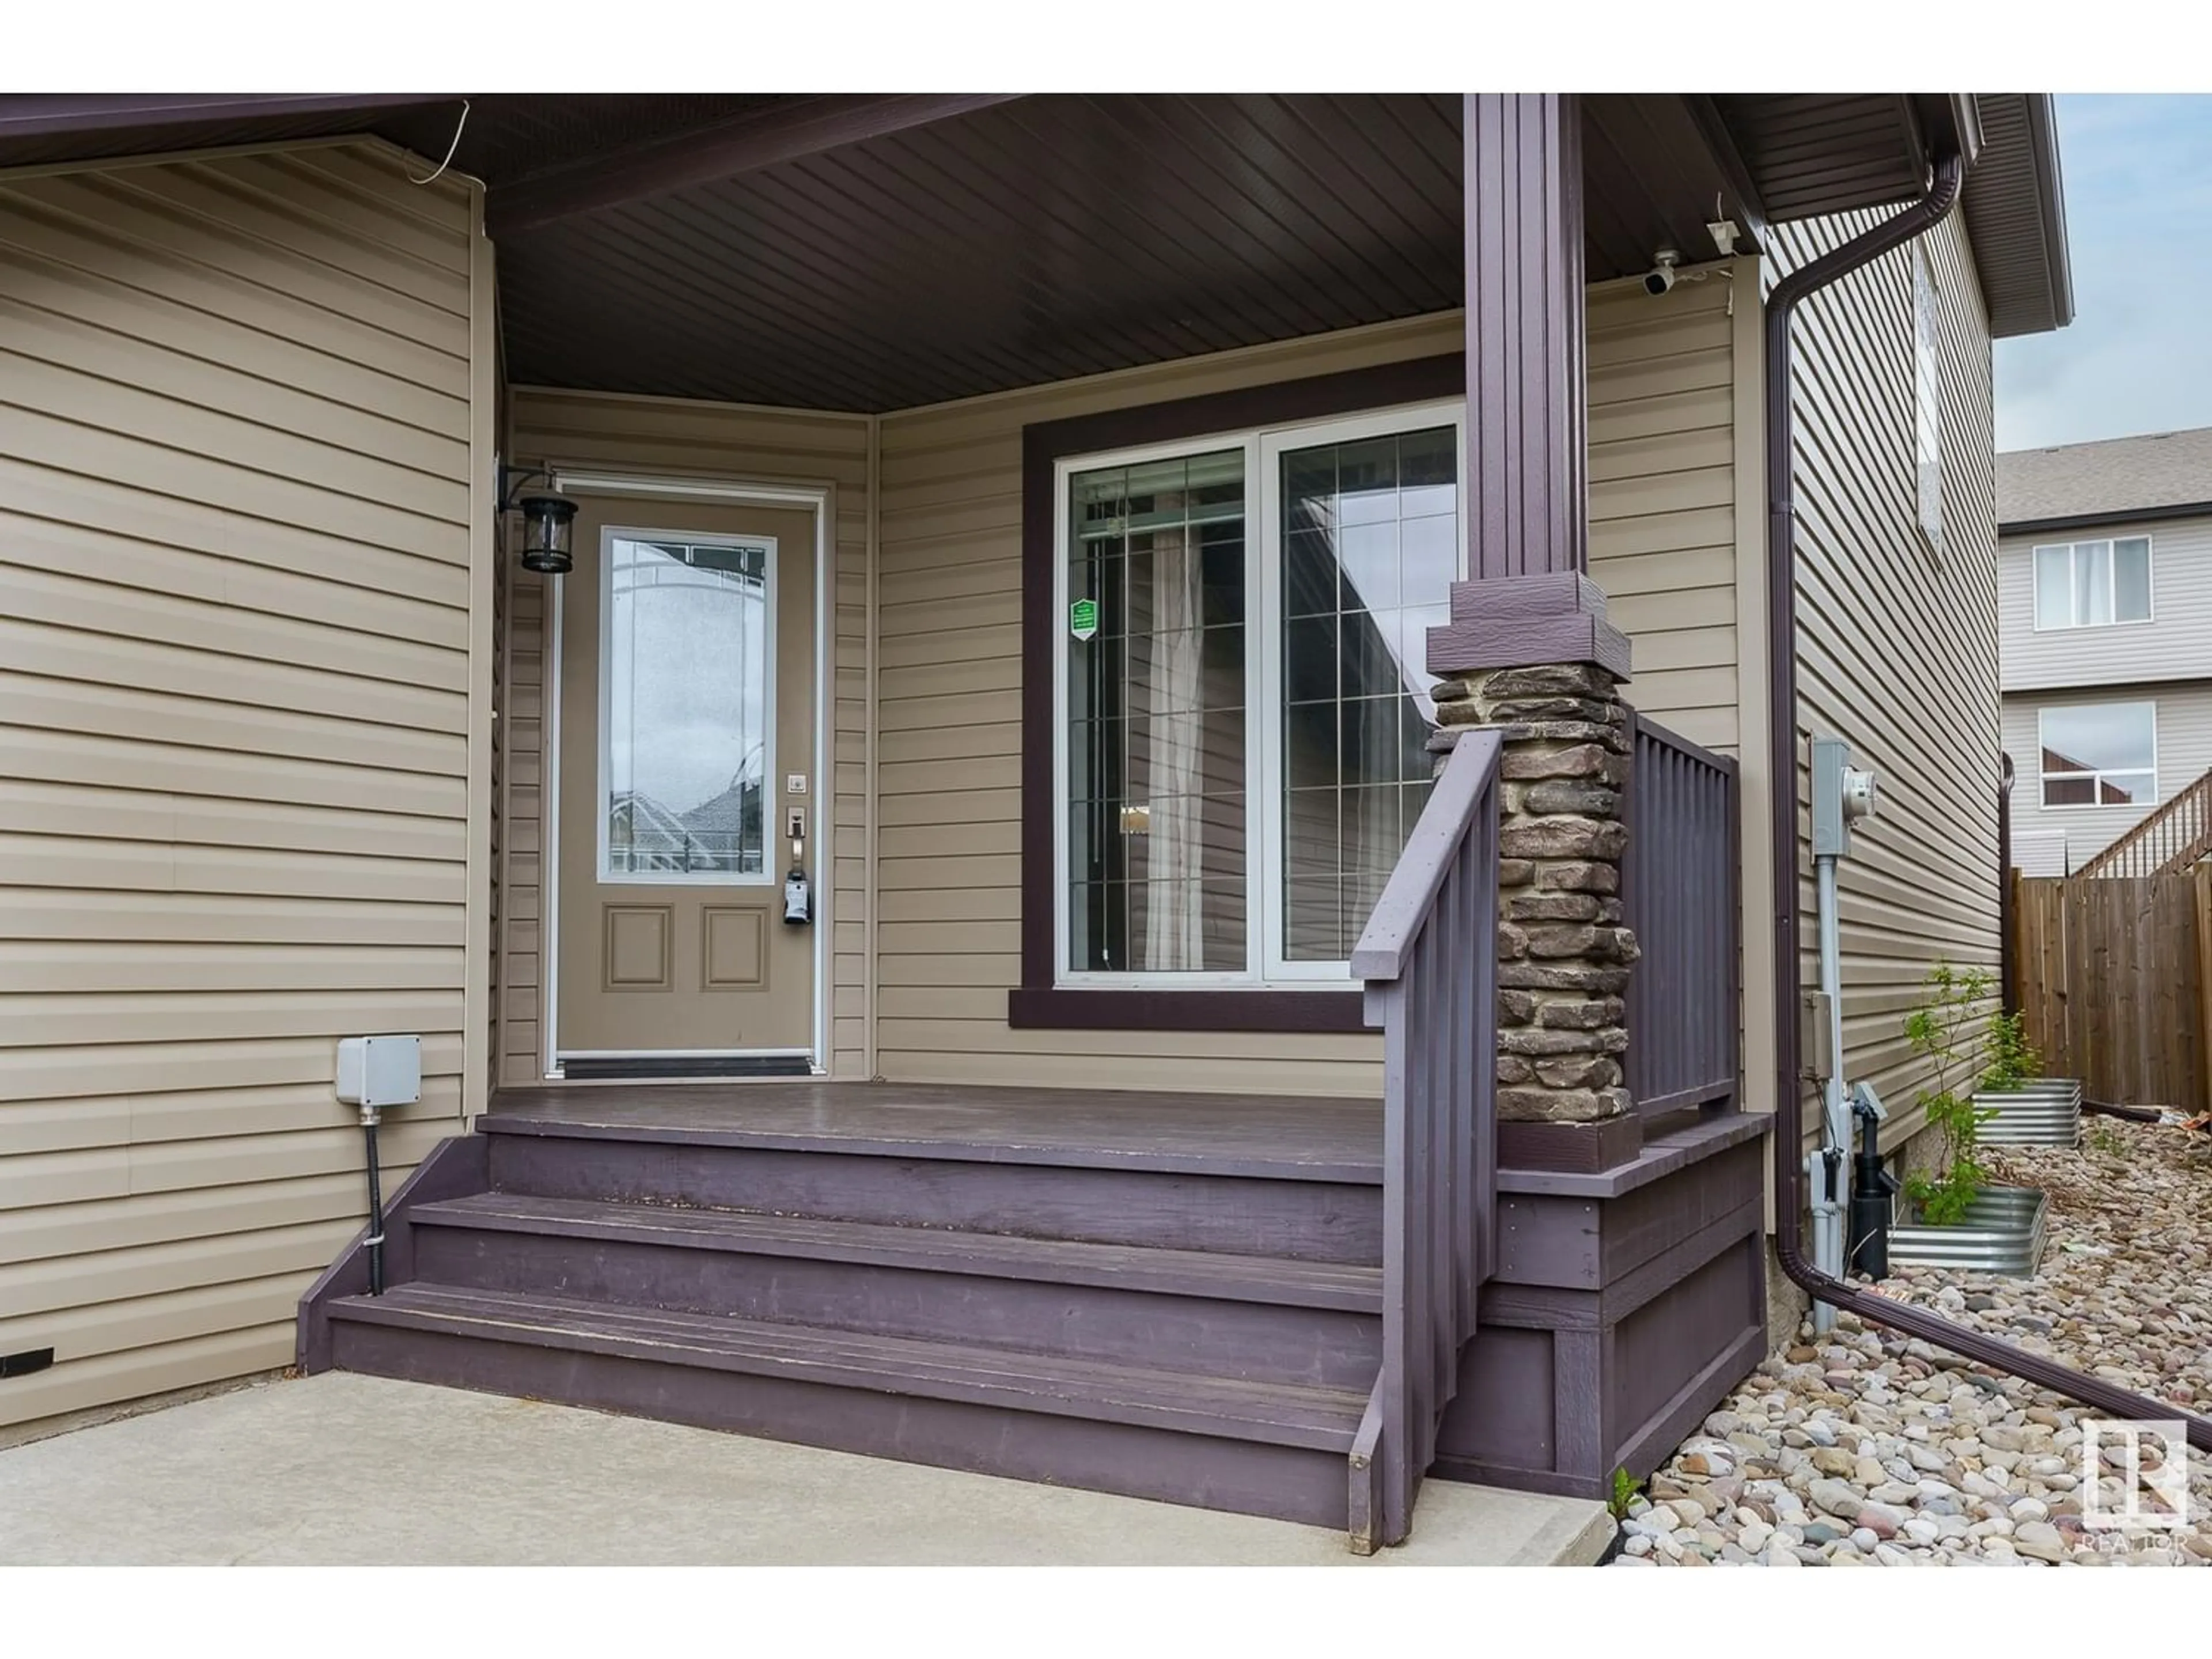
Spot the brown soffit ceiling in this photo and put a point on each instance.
(1050, 237)
(1831, 153)
(2015, 211)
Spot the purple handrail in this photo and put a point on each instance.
(1681, 893)
(1430, 957)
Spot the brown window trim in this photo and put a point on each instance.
(1037, 1003)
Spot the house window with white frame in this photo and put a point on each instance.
(2102, 754)
(1927, 405)
(1242, 627)
(2093, 584)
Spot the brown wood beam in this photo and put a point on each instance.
(782, 131)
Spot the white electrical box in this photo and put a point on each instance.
(1843, 795)
(379, 1071)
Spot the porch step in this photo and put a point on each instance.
(1238, 1207)
(1267, 1319)
(1223, 1443)
(1348, 1286)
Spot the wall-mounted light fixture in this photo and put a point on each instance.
(548, 523)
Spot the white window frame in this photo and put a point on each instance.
(1927, 406)
(770, 875)
(2110, 545)
(1262, 447)
(2042, 778)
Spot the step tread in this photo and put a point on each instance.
(1280, 1413)
(1280, 1280)
(1265, 1137)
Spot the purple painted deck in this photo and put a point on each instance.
(1177, 1297)
(1172, 1296)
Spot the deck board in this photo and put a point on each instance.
(1284, 1137)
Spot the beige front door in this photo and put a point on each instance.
(687, 725)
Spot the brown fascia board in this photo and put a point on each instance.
(49, 115)
(2051, 192)
(2108, 516)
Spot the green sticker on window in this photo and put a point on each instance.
(1083, 618)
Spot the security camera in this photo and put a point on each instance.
(1661, 276)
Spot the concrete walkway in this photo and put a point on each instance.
(340, 1469)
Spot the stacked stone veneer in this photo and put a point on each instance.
(1563, 954)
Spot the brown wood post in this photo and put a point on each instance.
(1529, 601)
(1527, 399)
(2204, 978)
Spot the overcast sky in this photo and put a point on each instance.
(2138, 358)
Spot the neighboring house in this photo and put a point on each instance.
(2105, 577)
(1112, 504)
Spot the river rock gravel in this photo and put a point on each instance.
(1860, 1448)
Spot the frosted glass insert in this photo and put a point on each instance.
(688, 710)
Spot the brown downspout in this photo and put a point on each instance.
(2007, 894)
(1782, 625)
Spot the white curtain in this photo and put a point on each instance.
(1174, 921)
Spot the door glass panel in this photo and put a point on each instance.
(688, 710)
(1157, 752)
(1374, 522)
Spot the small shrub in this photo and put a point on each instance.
(1624, 1494)
(2012, 1059)
(1951, 1030)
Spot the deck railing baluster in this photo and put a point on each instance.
(1680, 897)
(1430, 958)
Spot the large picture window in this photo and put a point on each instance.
(2100, 755)
(1243, 716)
(2093, 584)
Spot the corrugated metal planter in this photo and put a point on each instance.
(2046, 1111)
(2002, 1231)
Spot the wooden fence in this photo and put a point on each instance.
(2115, 983)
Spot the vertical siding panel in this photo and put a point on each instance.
(245, 698)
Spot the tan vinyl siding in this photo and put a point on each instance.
(2176, 644)
(2052, 841)
(244, 686)
(950, 679)
(1898, 643)
(1663, 494)
(644, 435)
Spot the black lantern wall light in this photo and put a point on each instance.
(549, 522)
